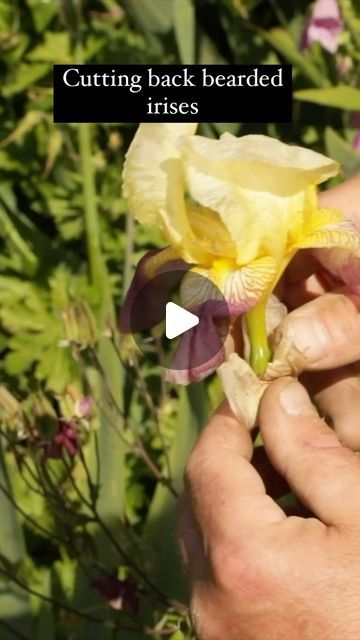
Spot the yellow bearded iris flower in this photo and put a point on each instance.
(238, 209)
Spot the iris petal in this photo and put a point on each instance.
(341, 234)
(150, 265)
(153, 179)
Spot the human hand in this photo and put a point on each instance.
(323, 330)
(255, 572)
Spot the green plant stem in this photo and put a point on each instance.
(92, 227)
(256, 325)
(129, 231)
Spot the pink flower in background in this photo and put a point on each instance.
(356, 141)
(65, 439)
(84, 407)
(355, 122)
(324, 26)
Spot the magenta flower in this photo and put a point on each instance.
(324, 26)
(356, 141)
(66, 439)
(120, 594)
(355, 122)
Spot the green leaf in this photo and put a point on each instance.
(54, 147)
(161, 523)
(178, 635)
(9, 230)
(184, 25)
(340, 97)
(135, 500)
(42, 13)
(56, 47)
(14, 602)
(155, 16)
(28, 122)
(282, 41)
(45, 627)
(112, 475)
(26, 75)
(341, 150)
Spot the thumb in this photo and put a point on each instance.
(308, 454)
(322, 334)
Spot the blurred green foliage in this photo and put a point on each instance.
(68, 248)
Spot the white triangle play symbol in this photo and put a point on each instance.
(178, 320)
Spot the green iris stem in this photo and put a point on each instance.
(90, 206)
(259, 349)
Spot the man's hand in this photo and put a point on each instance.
(324, 330)
(255, 571)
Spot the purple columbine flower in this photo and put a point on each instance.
(120, 594)
(324, 26)
(65, 439)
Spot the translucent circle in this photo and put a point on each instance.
(199, 345)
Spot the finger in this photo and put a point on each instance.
(301, 267)
(275, 485)
(344, 197)
(296, 295)
(227, 493)
(322, 473)
(322, 334)
(337, 397)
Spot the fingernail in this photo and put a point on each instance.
(310, 336)
(295, 401)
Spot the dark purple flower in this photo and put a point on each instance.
(324, 26)
(65, 439)
(355, 119)
(120, 594)
(154, 290)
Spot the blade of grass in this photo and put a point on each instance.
(15, 605)
(161, 524)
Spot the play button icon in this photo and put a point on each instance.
(176, 317)
(178, 320)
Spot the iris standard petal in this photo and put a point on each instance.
(257, 221)
(153, 178)
(257, 162)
